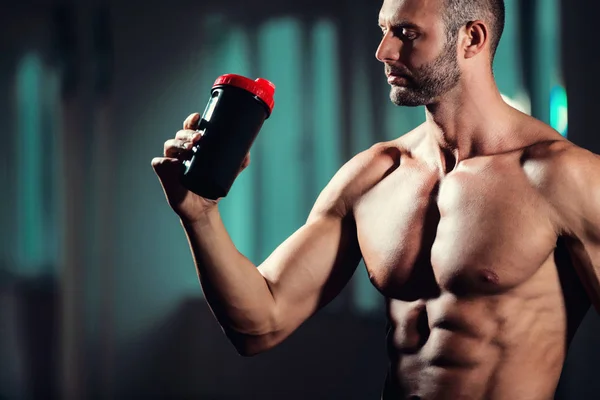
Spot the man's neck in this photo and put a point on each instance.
(471, 120)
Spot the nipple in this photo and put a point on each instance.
(489, 276)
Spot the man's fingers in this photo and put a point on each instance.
(188, 135)
(191, 122)
(169, 171)
(165, 166)
(176, 147)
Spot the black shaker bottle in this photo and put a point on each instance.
(235, 112)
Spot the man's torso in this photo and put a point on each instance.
(466, 261)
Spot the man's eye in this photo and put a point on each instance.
(409, 35)
(402, 33)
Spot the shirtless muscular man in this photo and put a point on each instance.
(460, 223)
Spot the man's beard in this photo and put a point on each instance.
(429, 82)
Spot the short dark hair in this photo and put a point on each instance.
(458, 12)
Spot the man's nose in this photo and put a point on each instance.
(389, 48)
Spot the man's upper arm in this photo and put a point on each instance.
(314, 264)
(577, 200)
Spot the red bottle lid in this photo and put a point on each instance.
(261, 88)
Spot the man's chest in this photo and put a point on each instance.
(483, 228)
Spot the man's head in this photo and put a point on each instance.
(425, 41)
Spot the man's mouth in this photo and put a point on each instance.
(397, 79)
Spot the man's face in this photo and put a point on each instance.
(420, 63)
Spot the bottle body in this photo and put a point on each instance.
(230, 123)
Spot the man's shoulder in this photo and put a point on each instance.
(359, 174)
(384, 154)
(562, 162)
(369, 166)
(576, 171)
(567, 175)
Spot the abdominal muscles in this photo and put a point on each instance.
(500, 346)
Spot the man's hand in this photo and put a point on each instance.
(189, 206)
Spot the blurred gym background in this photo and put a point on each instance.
(98, 294)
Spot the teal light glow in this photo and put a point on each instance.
(280, 141)
(559, 119)
(29, 196)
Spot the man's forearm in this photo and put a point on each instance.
(234, 288)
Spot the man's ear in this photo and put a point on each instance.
(477, 36)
